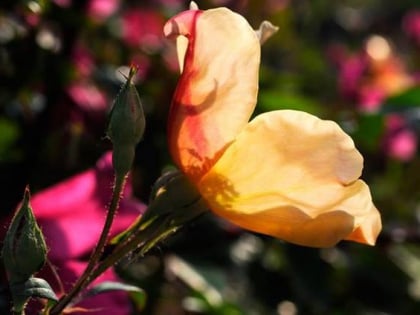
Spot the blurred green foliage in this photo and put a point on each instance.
(59, 71)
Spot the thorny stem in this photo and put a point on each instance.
(86, 277)
(142, 239)
(145, 238)
(56, 276)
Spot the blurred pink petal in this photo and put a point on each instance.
(371, 75)
(142, 28)
(411, 25)
(82, 60)
(370, 99)
(402, 146)
(389, 75)
(394, 122)
(100, 10)
(87, 96)
(63, 3)
(71, 213)
(32, 19)
(351, 74)
(71, 216)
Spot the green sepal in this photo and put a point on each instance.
(31, 288)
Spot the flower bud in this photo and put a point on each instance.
(24, 250)
(126, 125)
(173, 194)
(174, 200)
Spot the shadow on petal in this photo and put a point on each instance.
(287, 222)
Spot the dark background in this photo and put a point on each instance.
(59, 65)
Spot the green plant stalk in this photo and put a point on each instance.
(147, 235)
(86, 277)
(159, 233)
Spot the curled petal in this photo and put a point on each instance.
(265, 31)
(217, 91)
(293, 176)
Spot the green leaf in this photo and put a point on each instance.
(369, 131)
(108, 286)
(403, 101)
(273, 100)
(9, 134)
(33, 287)
(137, 293)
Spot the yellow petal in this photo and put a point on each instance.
(217, 91)
(293, 176)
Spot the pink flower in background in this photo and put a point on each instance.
(411, 25)
(63, 3)
(400, 142)
(351, 72)
(88, 96)
(83, 60)
(172, 4)
(370, 76)
(403, 145)
(71, 215)
(100, 10)
(142, 28)
(371, 98)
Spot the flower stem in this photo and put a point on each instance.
(144, 240)
(86, 277)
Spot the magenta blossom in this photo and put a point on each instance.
(88, 96)
(82, 60)
(63, 3)
(400, 141)
(411, 25)
(71, 215)
(370, 76)
(142, 28)
(100, 10)
(351, 73)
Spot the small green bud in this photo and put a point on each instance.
(174, 195)
(126, 125)
(24, 251)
